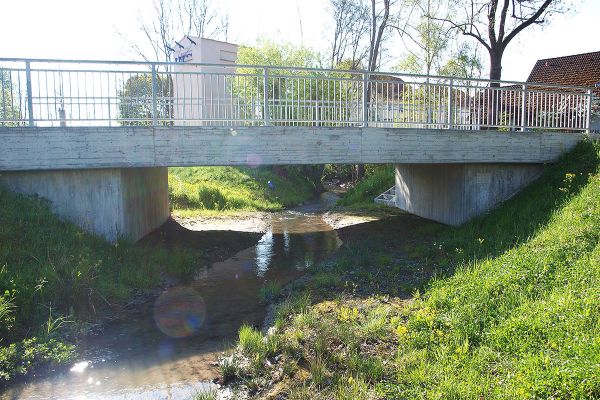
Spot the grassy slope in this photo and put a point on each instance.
(362, 195)
(196, 190)
(516, 316)
(53, 275)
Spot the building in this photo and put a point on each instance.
(576, 70)
(202, 94)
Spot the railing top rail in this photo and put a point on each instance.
(274, 67)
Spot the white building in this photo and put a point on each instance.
(202, 94)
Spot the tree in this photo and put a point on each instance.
(350, 46)
(173, 19)
(294, 95)
(10, 101)
(464, 63)
(136, 103)
(495, 23)
(379, 23)
(427, 36)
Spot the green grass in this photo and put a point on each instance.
(197, 190)
(377, 181)
(53, 276)
(269, 292)
(512, 314)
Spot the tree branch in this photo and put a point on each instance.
(533, 19)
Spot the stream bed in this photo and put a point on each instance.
(169, 348)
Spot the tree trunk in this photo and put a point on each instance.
(494, 104)
(496, 66)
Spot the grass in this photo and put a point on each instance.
(54, 277)
(512, 312)
(378, 180)
(207, 394)
(202, 190)
(269, 292)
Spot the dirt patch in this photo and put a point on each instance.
(253, 222)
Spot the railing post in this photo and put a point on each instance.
(154, 100)
(29, 93)
(365, 100)
(588, 117)
(266, 116)
(450, 103)
(524, 109)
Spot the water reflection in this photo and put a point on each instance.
(166, 351)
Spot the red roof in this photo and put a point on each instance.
(576, 70)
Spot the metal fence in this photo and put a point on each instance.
(101, 93)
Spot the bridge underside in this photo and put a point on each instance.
(112, 181)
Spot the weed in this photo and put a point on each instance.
(269, 291)
(209, 393)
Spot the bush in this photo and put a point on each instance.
(363, 194)
(211, 198)
(32, 354)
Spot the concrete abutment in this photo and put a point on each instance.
(454, 193)
(108, 202)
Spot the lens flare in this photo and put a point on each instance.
(253, 160)
(179, 312)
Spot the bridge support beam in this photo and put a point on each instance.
(455, 193)
(111, 202)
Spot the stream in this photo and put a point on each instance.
(168, 349)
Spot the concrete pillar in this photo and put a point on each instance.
(112, 202)
(454, 193)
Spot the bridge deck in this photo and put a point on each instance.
(112, 147)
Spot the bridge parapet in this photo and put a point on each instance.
(115, 93)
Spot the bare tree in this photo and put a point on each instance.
(427, 38)
(350, 34)
(379, 23)
(172, 19)
(495, 23)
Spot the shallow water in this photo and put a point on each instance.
(169, 348)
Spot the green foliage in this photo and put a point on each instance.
(519, 317)
(269, 292)
(207, 394)
(515, 317)
(376, 181)
(136, 100)
(10, 101)
(268, 52)
(300, 97)
(192, 190)
(257, 348)
(52, 273)
(29, 355)
(465, 63)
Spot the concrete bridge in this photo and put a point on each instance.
(96, 138)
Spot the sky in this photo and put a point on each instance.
(102, 29)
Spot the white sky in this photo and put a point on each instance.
(86, 29)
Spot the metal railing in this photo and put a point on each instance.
(109, 93)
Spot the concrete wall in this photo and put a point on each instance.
(108, 202)
(454, 193)
(113, 147)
